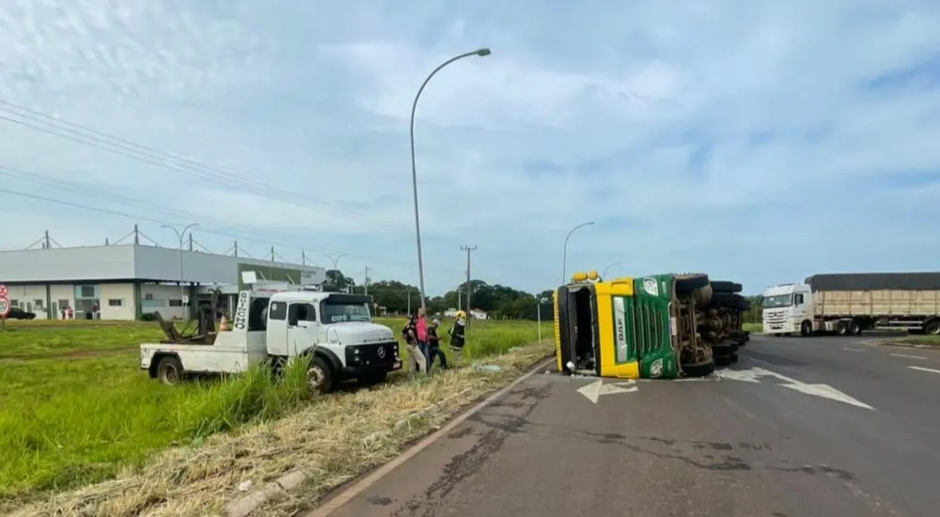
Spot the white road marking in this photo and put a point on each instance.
(753, 375)
(854, 350)
(931, 370)
(594, 390)
(906, 356)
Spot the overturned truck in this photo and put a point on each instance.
(660, 326)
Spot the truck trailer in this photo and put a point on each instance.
(850, 303)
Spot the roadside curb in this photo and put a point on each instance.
(244, 506)
(907, 345)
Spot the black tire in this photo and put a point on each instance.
(725, 286)
(806, 329)
(700, 369)
(373, 378)
(855, 328)
(319, 376)
(170, 370)
(842, 328)
(687, 283)
(723, 298)
(723, 360)
(932, 327)
(734, 358)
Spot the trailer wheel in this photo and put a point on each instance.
(699, 369)
(169, 370)
(842, 328)
(854, 328)
(319, 377)
(806, 329)
(932, 327)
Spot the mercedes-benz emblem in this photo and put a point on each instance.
(381, 352)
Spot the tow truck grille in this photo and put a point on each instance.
(381, 353)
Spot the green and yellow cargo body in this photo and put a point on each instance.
(625, 325)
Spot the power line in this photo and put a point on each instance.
(146, 154)
(160, 221)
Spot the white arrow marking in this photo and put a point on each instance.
(828, 392)
(817, 390)
(594, 390)
(931, 370)
(908, 356)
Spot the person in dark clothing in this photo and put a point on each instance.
(434, 346)
(457, 333)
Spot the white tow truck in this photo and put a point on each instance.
(335, 329)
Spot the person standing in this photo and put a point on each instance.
(434, 346)
(417, 361)
(457, 332)
(422, 333)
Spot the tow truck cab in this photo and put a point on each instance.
(631, 328)
(335, 329)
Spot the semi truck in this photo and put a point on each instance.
(660, 326)
(851, 303)
(334, 331)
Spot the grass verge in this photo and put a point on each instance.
(82, 419)
(930, 341)
(753, 327)
(333, 440)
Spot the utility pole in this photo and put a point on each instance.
(468, 249)
(409, 302)
(365, 282)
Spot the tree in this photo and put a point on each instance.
(338, 281)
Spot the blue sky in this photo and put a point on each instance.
(759, 141)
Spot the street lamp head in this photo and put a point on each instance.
(483, 52)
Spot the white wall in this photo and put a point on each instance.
(31, 298)
(122, 295)
(89, 263)
(156, 298)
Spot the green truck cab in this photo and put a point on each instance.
(646, 327)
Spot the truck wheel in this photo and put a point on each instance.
(842, 328)
(806, 329)
(699, 369)
(169, 370)
(687, 283)
(319, 377)
(932, 328)
(854, 329)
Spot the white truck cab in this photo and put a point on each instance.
(335, 329)
(788, 308)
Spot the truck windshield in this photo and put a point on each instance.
(343, 312)
(781, 300)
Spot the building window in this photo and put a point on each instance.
(14, 303)
(148, 296)
(86, 291)
(176, 303)
(116, 302)
(37, 303)
(153, 303)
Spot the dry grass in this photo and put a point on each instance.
(332, 440)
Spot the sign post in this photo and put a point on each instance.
(4, 307)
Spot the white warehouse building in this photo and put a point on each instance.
(127, 281)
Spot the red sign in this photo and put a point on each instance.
(3, 291)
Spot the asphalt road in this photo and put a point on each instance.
(766, 439)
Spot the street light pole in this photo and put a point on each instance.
(181, 235)
(606, 269)
(564, 266)
(335, 260)
(483, 52)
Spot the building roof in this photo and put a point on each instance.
(143, 263)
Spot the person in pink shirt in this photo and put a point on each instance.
(422, 331)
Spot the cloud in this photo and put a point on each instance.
(753, 141)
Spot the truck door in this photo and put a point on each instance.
(277, 328)
(302, 327)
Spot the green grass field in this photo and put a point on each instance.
(75, 408)
(920, 340)
(754, 327)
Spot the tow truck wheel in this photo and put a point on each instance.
(169, 370)
(319, 377)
